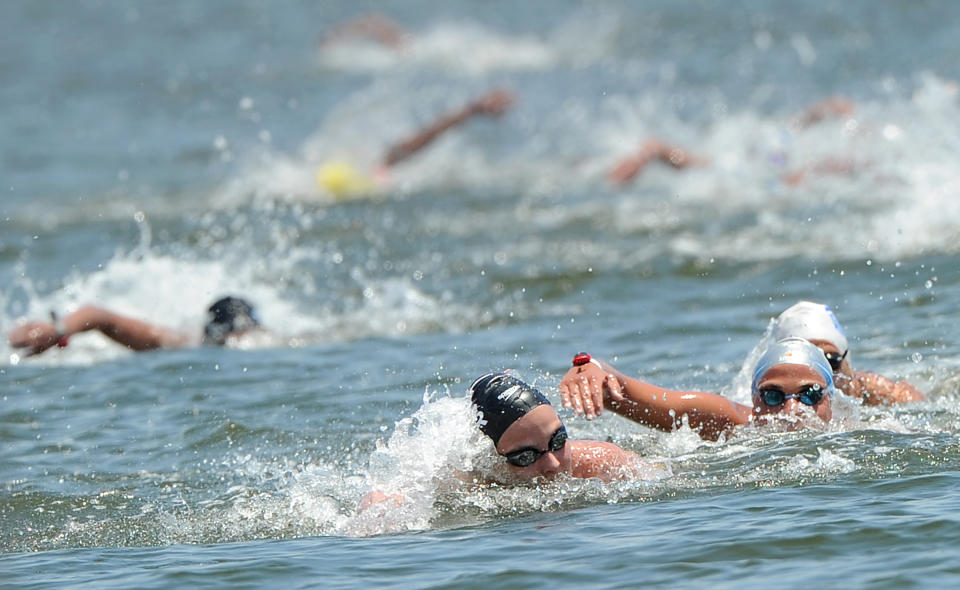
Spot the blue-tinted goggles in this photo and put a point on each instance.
(810, 395)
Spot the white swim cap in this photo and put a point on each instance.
(811, 321)
(793, 351)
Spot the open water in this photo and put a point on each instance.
(156, 155)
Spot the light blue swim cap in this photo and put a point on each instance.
(793, 351)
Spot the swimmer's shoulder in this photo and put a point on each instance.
(594, 458)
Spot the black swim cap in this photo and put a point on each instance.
(501, 400)
(225, 316)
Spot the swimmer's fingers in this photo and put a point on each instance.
(35, 336)
(576, 397)
(568, 387)
(613, 387)
(596, 389)
(586, 392)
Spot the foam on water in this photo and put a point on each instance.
(303, 292)
(469, 49)
(425, 459)
(892, 203)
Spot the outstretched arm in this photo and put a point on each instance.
(132, 333)
(835, 166)
(835, 106)
(493, 104)
(595, 385)
(653, 149)
(378, 27)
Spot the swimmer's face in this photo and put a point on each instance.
(831, 350)
(255, 337)
(792, 380)
(534, 431)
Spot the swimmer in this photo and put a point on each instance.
(374, 26)
(835, 166)
(491, 104)
(792, 381)
(654, 149)
(625, 170)
(818, 324)
(527, 432)
(341, 179)
(834, 106)
(227, 319)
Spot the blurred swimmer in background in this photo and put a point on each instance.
(654, 149)
(373, 26)
(818, 324)
(342, 180)
(792, 387)
(228, 319)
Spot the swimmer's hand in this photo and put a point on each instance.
(377, 497)
(494, 103)
(587, 387)
(36, 336)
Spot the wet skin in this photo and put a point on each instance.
(791, 380)
(533, 431)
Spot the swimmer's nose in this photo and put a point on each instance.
(791, 406)
(550, 463)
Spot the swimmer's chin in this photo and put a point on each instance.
(790, 422)
(504, 476)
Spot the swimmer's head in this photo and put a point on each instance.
(794, 351)
(811, 321)
(501, 400)
(228, 315)
(791, 381)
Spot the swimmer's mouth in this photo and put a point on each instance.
(790, 421)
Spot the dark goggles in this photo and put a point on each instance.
(527, 457)
(810, 396)
(835, 359)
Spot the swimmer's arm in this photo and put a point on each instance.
(376, 26)
(132, 333)
(879, 390)
(834, 166)
(493, 103)
(589, 388)
(627, 169)
(603, 460)
(39, 336)
(836, 106)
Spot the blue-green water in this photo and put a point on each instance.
(154, 156)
